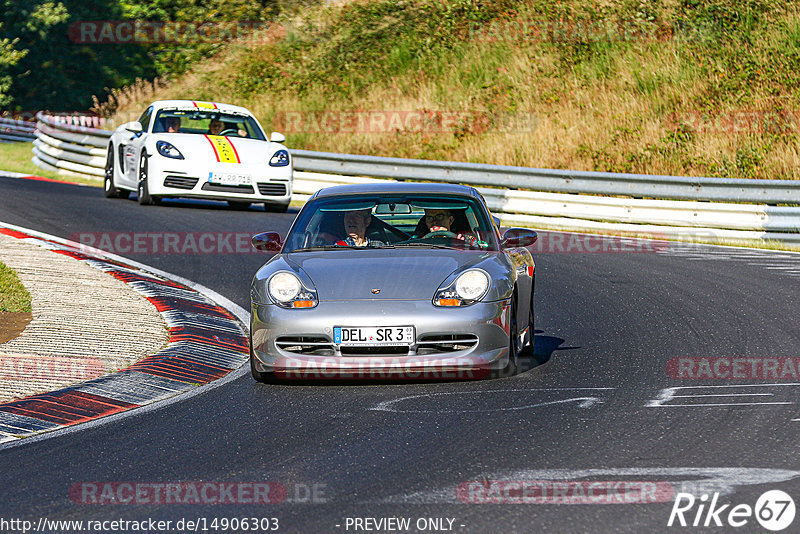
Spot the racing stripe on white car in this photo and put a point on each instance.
(206, 342)
(223, 148)
(204, 105)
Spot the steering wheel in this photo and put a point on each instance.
(229, 131)
(440, 233)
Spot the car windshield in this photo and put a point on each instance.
(209, 122)
(392, 221)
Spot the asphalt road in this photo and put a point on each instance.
(596, 410)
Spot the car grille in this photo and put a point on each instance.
(228, 188)
(272, 189)
(313, 345)
(430, 344)
(434, 344)
(180, 182)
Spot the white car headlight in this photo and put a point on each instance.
(283, 287)
(168, 150)
(279, 159)
(471, 285)
(287, 291)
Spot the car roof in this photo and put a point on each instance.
(200, 105)
(397, 187)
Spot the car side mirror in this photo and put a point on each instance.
(135, 127)
(277, 137)
(519, 237)
(269, 241)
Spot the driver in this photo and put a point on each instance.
(215, 127)
(442, 221)
(355, 225)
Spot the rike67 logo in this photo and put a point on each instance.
(774, 510)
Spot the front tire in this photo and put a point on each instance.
(258, 376)
(109, 188)
(513, 343)
(145, 199)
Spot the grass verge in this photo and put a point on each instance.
(13, 295)
(657, 87)
(16, 157)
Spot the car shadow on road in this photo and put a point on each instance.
(543, 348)
(210, 204)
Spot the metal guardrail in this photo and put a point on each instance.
(553, 180)
(12, 130)
(70, 145)
(536, 197)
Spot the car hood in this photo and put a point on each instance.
(407, 274)
(200, 149)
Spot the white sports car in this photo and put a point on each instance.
(183, 148)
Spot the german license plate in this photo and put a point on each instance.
(373, 335)
(228, 178)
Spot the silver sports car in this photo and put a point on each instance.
(394, 280)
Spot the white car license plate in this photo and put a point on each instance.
(227, 178)
(373, 335)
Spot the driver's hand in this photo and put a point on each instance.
(438, 229)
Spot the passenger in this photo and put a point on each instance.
(173, 124)
(355, 226)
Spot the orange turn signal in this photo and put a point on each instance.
(449, 302)
(303, 304)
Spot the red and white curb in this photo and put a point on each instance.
(206, 343)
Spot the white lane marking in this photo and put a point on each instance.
(235, 309)
(667, 394)
(698, 405)
(583, 402)
(726, 395)
(694, 480)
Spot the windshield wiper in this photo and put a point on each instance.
(318, 247)
(421, 244)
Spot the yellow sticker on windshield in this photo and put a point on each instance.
(207, 105)
(223, 149)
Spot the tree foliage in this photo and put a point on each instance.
(42, 68)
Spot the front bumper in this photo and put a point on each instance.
(451, 343)
(176, 178)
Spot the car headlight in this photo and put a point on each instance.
(279, 159)
(470, 287)
(168, 151)
(287, 291)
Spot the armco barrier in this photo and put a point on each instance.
(672, 206)
(70, 145)
(12, 130)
